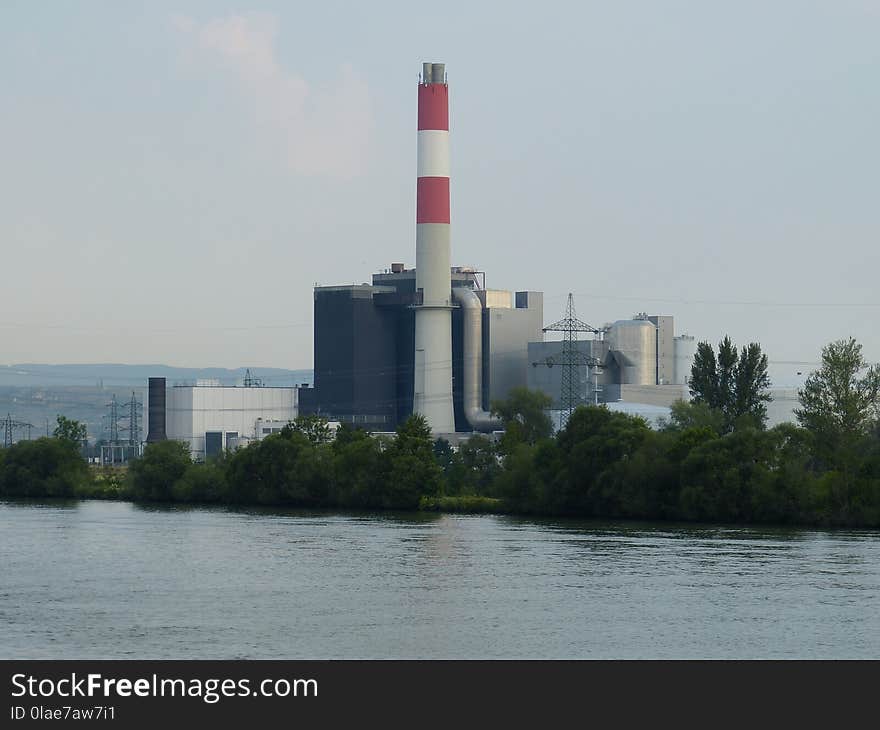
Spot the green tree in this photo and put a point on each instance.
(727, 377)
(314, 428)
(284, 468)
(840, 401)
(412, 469)
(718, 476)
(524, 483)
(749, 475)
(445, 454)
(154, 475)
(472, 469)
(645, 484)
(593, 440)
(43, 468)
(704, 377)
(358, 468)
(70, 430)
(839, 406)
(751, 385)
(684, 415)
(481, 465)
(347, 433)
(734, 384)
(201, 482)
(524, 417)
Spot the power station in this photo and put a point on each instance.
(436, 341)
(433, 340)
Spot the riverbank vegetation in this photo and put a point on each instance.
(714, 460)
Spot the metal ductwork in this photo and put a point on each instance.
(156, 410)
(472, 352)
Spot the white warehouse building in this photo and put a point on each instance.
(212, 417)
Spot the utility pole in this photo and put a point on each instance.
(572, 359)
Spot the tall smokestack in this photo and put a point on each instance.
(156, 410)
(433, 348)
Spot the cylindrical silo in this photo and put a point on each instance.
(636, 341)
(433, 326)
(684, 348)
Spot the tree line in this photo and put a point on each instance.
(713, 459)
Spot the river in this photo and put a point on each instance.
(91, 580)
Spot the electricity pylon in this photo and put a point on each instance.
(9, 427)
(571, 359)
(133, 428)
(113, 419)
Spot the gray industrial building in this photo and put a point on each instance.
(365, 348)
(212, 418)
(436, 341)
(365, 353)
(640, 360)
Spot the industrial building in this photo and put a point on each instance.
(212, 418)
(431, 340)
(638, 360)
(650, 400)
(434, 340)
(365, 353)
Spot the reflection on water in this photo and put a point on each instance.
(114, 580)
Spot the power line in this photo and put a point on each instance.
(723, 302)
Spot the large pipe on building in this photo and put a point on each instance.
(472, 354)
(432, 397)
(156, 410)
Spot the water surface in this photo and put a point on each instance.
(113, 580)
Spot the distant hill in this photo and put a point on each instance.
(107, 375)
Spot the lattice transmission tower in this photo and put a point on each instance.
(133, 418)
(10, 426)
(112, 420)
(571, 359)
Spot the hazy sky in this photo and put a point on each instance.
(175, 177)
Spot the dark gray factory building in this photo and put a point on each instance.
(364, 347)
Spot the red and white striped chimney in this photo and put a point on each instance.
(433, 335)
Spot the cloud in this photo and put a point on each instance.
(319, 131)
